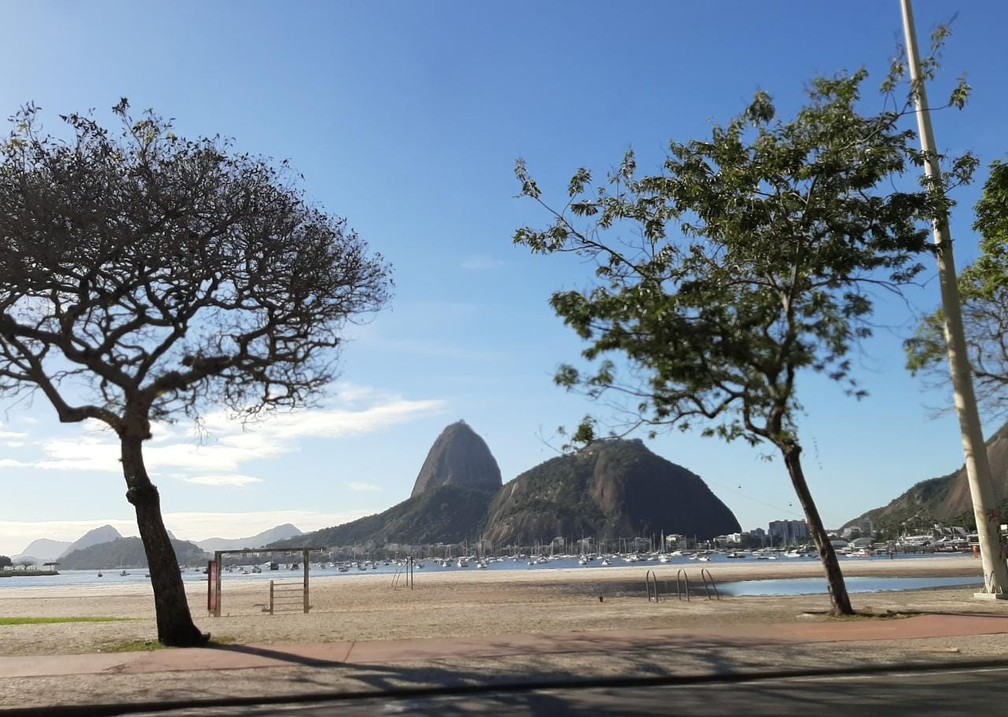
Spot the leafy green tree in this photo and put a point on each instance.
(5, 561)
(750, 259)
(983, 289)
(143, 276)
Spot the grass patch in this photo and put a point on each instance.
(150, 645)
(54, 620)
(131, 646)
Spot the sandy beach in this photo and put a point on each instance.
(465, 603)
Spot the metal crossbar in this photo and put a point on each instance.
(286, 595)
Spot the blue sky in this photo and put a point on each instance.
(406, 118)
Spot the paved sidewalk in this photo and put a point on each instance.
(246, 674)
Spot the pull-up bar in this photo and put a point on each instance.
(214, 573)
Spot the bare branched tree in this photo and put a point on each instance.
(144, 276)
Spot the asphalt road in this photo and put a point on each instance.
(890, 694)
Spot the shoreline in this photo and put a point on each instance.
(463, 604)
(733, 571)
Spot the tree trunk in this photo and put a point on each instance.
(174, 621)
(839, 599)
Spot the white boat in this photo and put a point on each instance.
(859, 553)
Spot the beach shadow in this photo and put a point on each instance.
(279, 655)
(509, 682)
(502, 666)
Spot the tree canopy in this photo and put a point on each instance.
(143, 276)
(983, 288)
(167, 273)
(783, 236)
(754, 255)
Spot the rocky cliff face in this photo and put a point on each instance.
(448, 504)
(460, 458)
(610, 489)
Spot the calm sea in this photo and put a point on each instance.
(790, 586)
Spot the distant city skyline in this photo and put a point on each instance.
(406, 118)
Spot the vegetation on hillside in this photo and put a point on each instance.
(127, 553)
(945, 499)
(610, 489)
(447, 514)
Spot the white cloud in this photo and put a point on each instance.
(215, 456)
(361, 486)
(12, 463)
(229, 480)
(90, 453)
(350, 394)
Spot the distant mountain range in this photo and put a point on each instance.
(105, 547)
(610, 489)
(945, 499)
(258, 540)
(124, 553)
(46, 550)
(43, 549)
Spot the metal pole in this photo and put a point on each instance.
(217, 581)
(977, 463)
(305, 562)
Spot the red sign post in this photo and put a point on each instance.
(213, 588)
